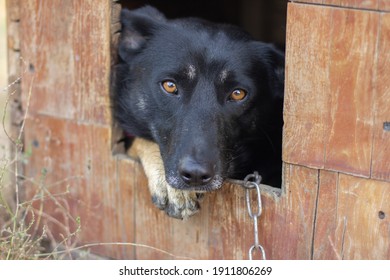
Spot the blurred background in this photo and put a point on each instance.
(3, 74)
(3, 45)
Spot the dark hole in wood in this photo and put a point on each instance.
(35, 143)
(381, 215)
(31, 68)
(386, 126)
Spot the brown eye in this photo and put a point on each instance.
(169, 87)
(237, 95)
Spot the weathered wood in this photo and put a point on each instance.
(352, 218)
(326, 213)
(74, 164)
(287, 226)
(230, 230)
(330, 77)
(381, 147)
(351, 73)
(13, 10)
(307, 84)
(67, 47)
(362, 219)
(384, 5)
(379, 5)
(332, 119)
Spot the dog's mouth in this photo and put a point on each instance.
(175, 181)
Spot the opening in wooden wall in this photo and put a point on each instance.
(263, 20)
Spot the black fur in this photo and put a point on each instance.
(204, 136)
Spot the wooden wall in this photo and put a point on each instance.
(335, 202)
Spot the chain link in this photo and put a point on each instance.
(252, 182)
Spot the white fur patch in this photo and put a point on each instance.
(191, 72)
(223, 75)
(141, 104)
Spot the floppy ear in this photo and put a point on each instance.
(274, 58)
(137, 27)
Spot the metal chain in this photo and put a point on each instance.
(252, 182)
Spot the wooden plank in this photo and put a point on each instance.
(331, 68)
(380, 5)
(352, 218)
(67, 47)
(13, 11)
(80, 173)
(152, 227)
(351, 74)
(92, 59)
(123, 200)
(287, 225)
(384, 5)
(307, 84)
(363, 226)
(326, 216)
(230, 229)
(381, 147)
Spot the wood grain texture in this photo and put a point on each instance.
(351, 219)
(330, 79)
(363, 226)
(330, 123)
(13, 10)
(287, 226)
(378, 5)
(307, 84)
(384, 5)
(73, 163)
(67, 45)
(381, 143)
(326, 214)
(351, 75)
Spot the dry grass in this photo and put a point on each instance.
(23, 231)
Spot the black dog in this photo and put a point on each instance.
(208, 95)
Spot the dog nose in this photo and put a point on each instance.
(195, 174)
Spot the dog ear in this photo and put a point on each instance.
(137, 27)
(274, 58)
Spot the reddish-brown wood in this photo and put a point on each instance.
(351, 73)
(74, 160)
(381, 148)
(307, 84)
(363, 227)
(325, 224)
(330, 79)
(287, 226)
(337, 98)
(380, 5)
(384, 5)
(352, 218)
(60, 42)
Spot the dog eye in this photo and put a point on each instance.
(169, 87)
(237, 95)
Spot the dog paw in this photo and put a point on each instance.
(176, 203)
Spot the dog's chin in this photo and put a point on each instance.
(177, 183)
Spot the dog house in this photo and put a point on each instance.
(335, 199)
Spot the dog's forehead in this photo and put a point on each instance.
(190, 71)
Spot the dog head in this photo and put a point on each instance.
(202, 91)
